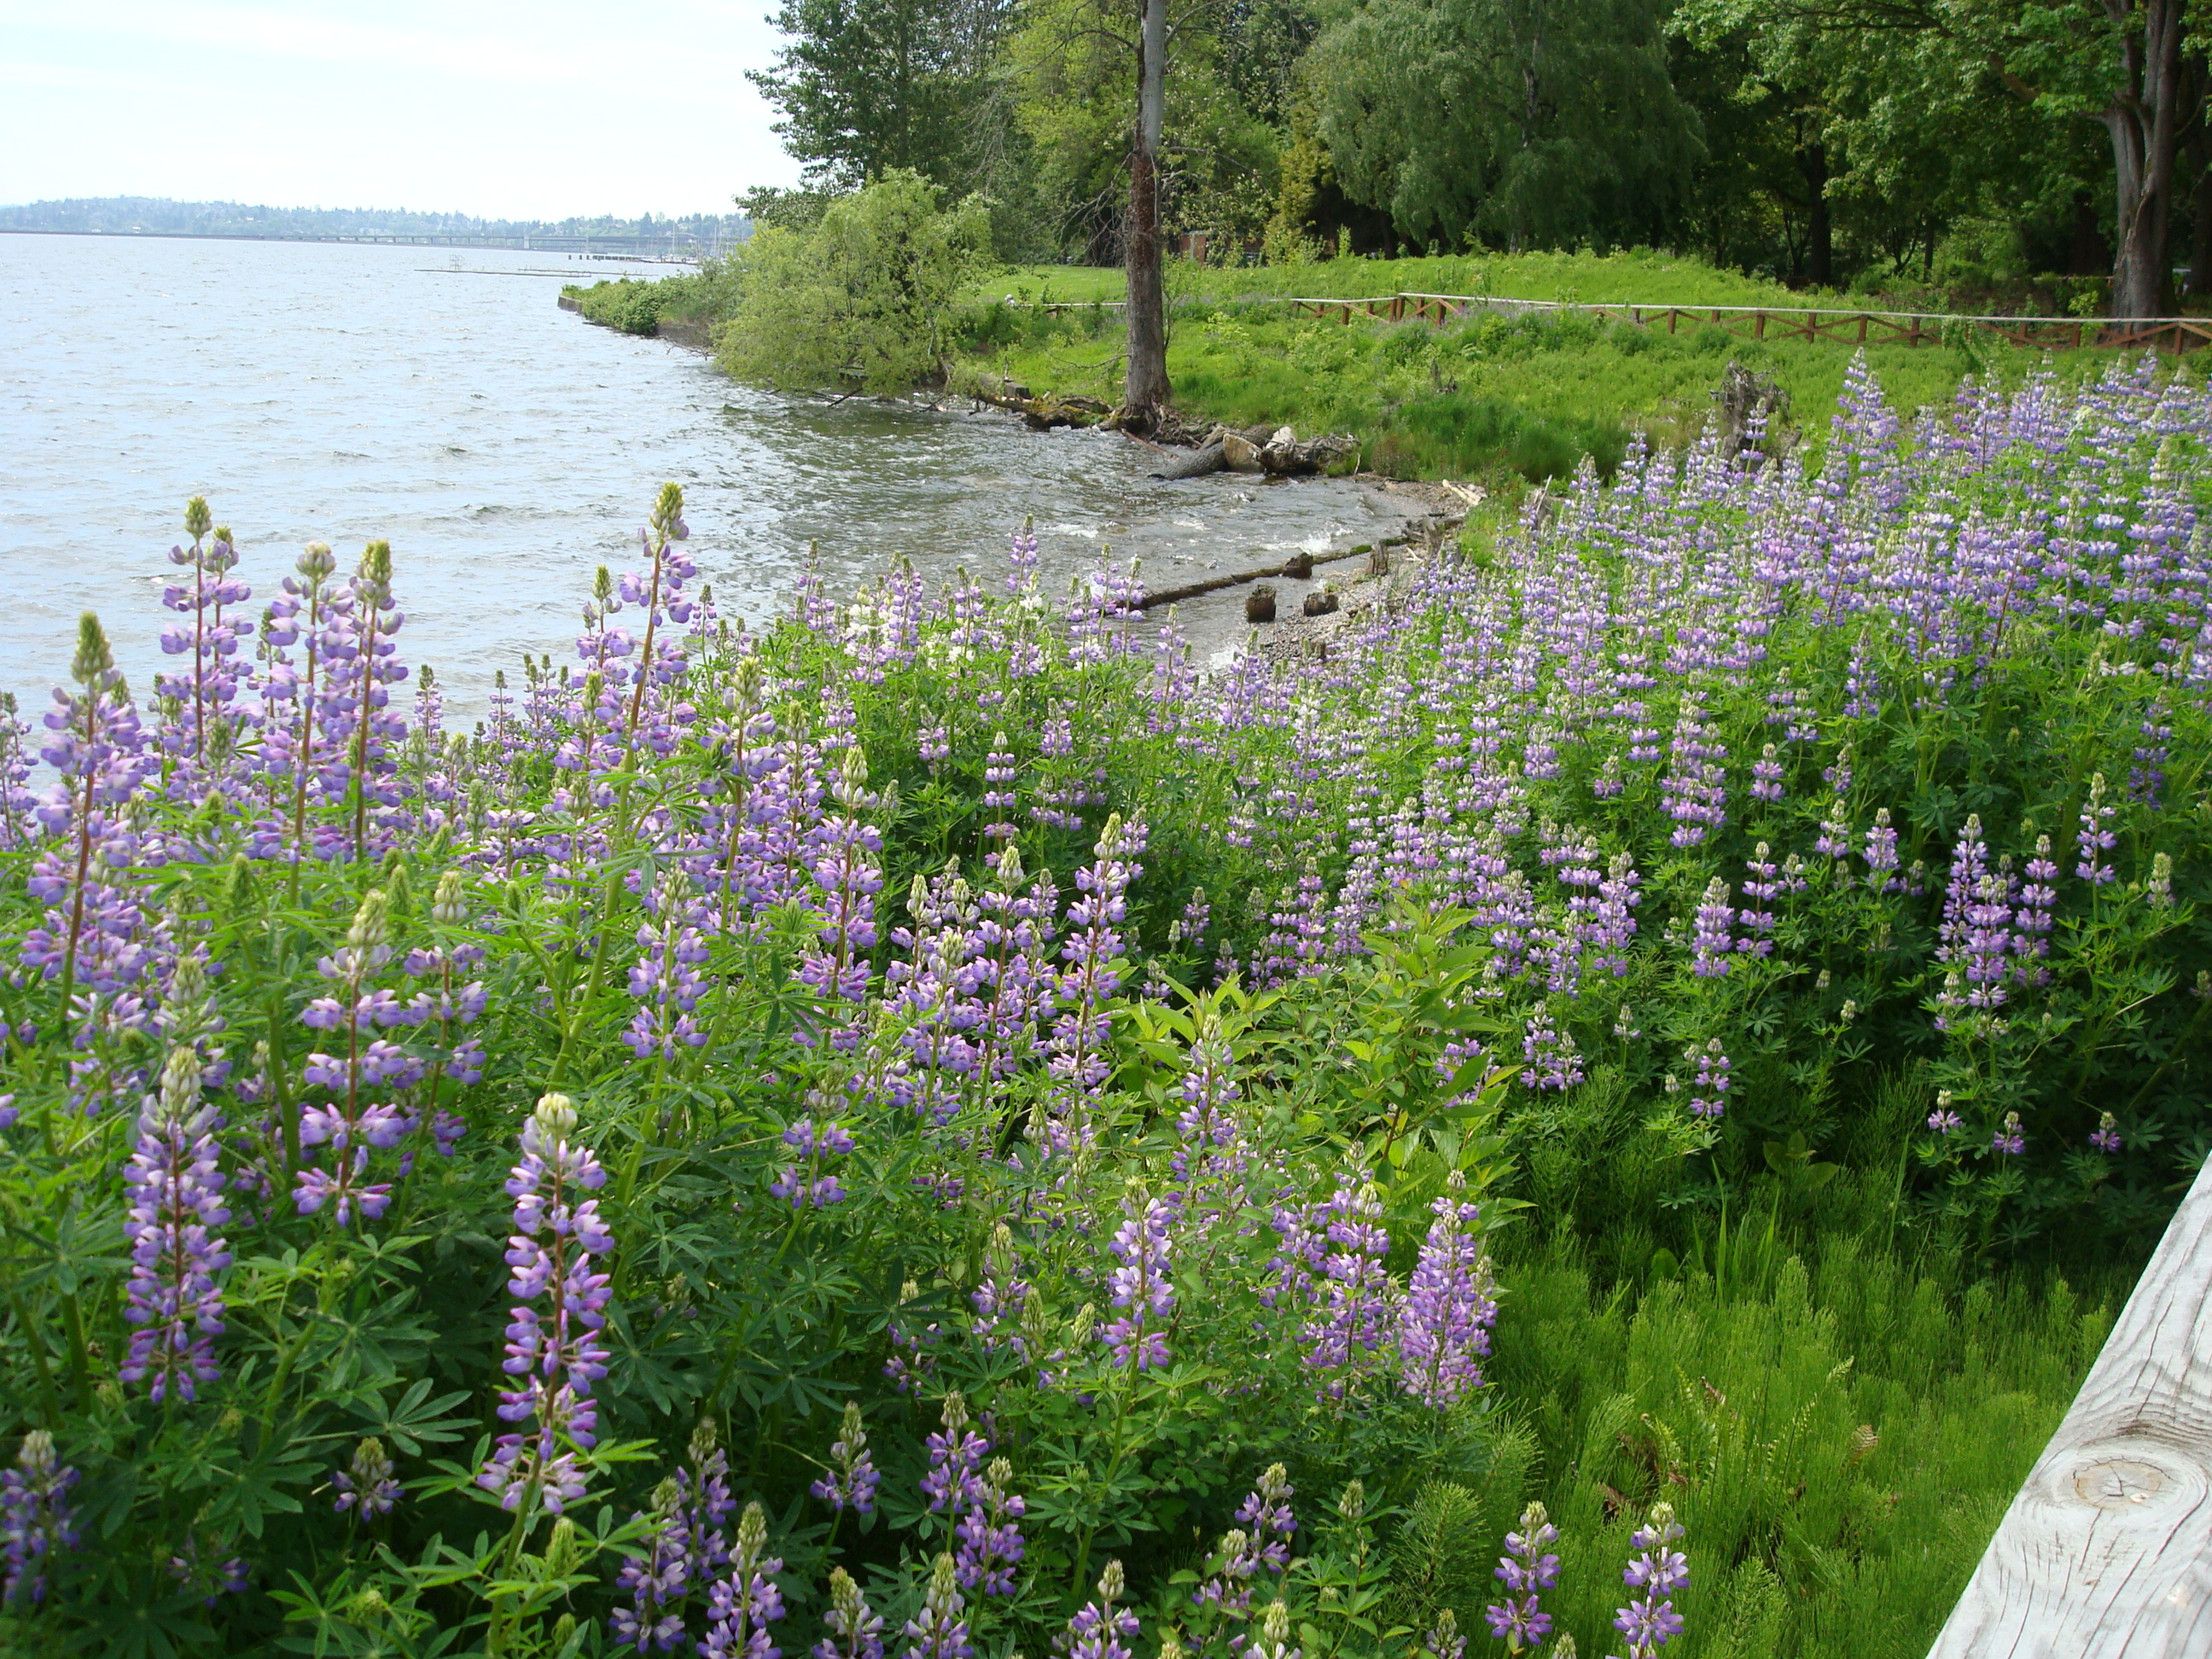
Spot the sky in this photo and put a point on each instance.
(493, 107)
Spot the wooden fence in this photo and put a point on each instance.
(1905, 328)
(2106, 1553)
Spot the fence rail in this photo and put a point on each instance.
(2107, 1550)
(1905, 328)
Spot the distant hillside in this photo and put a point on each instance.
(124, 215)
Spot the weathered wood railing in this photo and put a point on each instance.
(2106, 1553)
(1905, 328)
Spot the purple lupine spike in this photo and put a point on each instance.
(1142, 1288)
(1003, 1296)
(1881, 854)
(2009, 1140)
(657, 1581)
(1526, 1569)
(1710, 1083)
(2095, 838)
(856, 1630)
(368, 1488)
(34, 1517)
(1094, 974)
(952, 1481)
(350, 1123)
(938, 1631)
(987, 1544)
(558, 1236)
(746, 1600)
(175, 1205)
(1443, 1325)
(1099, 1629)
(1711, 941)
(1650, 1622)
(851, 1481)
(812, 1183)
(1554, 1060)
(666, 979)
(1357, 1297)
(2106, 1137)
(1269, 1521)
(1022, 560)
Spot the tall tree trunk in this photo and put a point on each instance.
(1145, 392)
(2200, 241)
(2144, 119)
(1820, 236)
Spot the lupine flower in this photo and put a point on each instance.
(1003, 1296)
(1709, 1086)
(656, 1581)
(938, 1631)
(1650, 1622)
(745, 1601)
(1267, 1513)
(1444, 1639)
(989, 1545)
(852, 1482)
(1526, 1569)
(175, 1204)
(2008, 1140)
(1142, 1288)
(856, 1630)
(951, 1480)
(1356, 1298)
(2106, 1137)
(1710, 942)
(560, 1353)
(351, 1122)
(703, 1487)
(1099, 1630)
(1443, 1325)
(1554, 1060)
(368, 1488)
(1274, 1635)
(808, 1185)
(34, 1516)
(2095, 838)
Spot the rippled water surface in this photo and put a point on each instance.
(338, 393)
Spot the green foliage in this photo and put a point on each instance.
(864, 300)
(1563, 124)
(1837, 1435)
(636, 305)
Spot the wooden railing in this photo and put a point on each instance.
(1905, 328)
(2107, 1550)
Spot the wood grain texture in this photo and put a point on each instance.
(2106, 1553)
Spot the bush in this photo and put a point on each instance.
(866, 298)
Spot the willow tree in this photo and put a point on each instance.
(1516, 123)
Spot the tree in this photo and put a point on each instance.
(865, 299)
(1144, 388)
(1515, 122)
(2126, 65)
(867, 86)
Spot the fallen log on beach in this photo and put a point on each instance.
(1195, 464)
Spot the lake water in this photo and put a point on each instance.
(505, 448)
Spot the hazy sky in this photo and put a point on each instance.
(499, 107)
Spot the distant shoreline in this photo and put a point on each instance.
(608, 247)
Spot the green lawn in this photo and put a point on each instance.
(1499, 398)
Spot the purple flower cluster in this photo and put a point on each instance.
(175, 1202)
(34, 1516)
(806, 1184)
(1443, 1324)
(938, 1630)
(746, 1600)
(1100, 1629)
(1142, 1287)
(856, 1630)
(1526, 1569)
(557, 1238)
(1658, 1570)
(852, 1479)
(368, 1488)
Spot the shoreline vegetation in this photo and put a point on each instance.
(934, 1111)
(1501, 401)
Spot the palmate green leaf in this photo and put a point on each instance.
(415, 1420)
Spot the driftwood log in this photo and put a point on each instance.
(1195, 464)
(1259, 604)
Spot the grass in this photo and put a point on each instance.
(1848, 1429)
(1506, 400)
(1639, 275)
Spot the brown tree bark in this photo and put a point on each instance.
(1144, 389)
(1819, 232)
(2144, 119)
